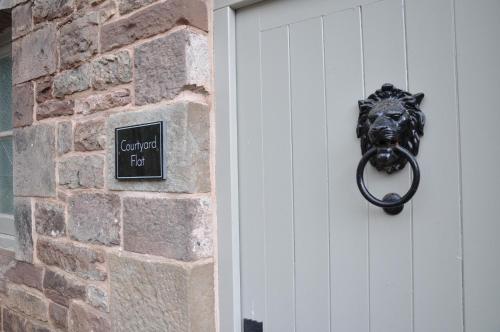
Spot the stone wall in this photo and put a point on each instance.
(97, 254)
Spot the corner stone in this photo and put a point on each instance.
(22, 104)
(186, 148)
(167, 65)
(173, 228)
(34, 146)
(172, 297)
(38, 47)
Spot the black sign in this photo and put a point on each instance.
(139, 151)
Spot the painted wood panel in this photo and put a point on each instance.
(390, 238)
(478, 52)
(278, 184)
(310, 177)
(348, 210)
(437, 264)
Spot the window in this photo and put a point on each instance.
(7, 231)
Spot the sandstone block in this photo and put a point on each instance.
(7, 261)
(22, 223)
(152, 20)
(94, 218)
(58, 315)
(71, 81)
(61, 289)
(30, 304)
(186, 148)
(34, 146)
(172, 297)
(44, 89)
(174, 228)
(102, 102)
(126, 6)
(50, 9)
(85, 318)
(112, 69)
(83, 262)
(26, 274)
(21, 20)
(98, 298)
(15, 323)
(90, 135)
(38, 47)
(79, 40)
(82, 172)
(54, 108)
(64, 137)
(22, 104)
(49, 218)
(166, 66)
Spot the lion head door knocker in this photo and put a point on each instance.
(390, 124)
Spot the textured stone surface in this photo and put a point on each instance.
(22, 104)
(38, 47)
(78, 39)
(172, 296)
(174, 228)
(103, 101)
(111, 69)
(166, 66)
(82, 172)
(186, 148)
(49, 218)
(64, 137)
(126, 6)
(54, 108)
(152, 20)
(51, 9)
(58, 315)
(44, 89)
(22, 223)
(15, 323)
(83, 262)
(61, 289)
(7, 261)
(94, 218)
(30, 304)
(90, 135)
(98, 298)
(34, 146)
(26, 274)
(71, 81)
(21, 20)
(84, 318)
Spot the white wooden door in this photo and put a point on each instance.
(314, 255)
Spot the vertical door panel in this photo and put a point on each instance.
(348, 210)
(478, 51)
(310, 176)
(436, 206)
(252, 227)
(278, 188)
(390, 236)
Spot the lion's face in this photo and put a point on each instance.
(387, 118)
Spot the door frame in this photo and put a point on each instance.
(226, 164)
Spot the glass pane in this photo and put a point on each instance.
(5, 93)
(6, 189)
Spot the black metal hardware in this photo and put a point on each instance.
(252, 326)
(390, 125)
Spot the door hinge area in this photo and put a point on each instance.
(252, 326)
